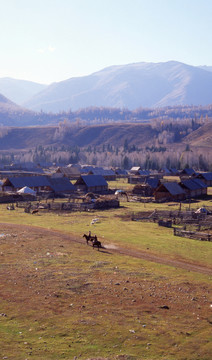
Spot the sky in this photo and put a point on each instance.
(48, 41)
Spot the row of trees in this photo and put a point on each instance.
(103, 115)
(111, 156)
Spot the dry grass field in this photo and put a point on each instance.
(145, 295)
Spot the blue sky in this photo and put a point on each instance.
(53, 40)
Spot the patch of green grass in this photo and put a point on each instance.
(113, 229)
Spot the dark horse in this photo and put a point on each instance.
(93, 239)
(89, 238)
(96, 243)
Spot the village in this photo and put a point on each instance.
(72, 180)
(89, 188)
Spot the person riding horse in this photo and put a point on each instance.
(93, 239)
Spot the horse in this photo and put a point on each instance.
(88, 238)
(97, 243)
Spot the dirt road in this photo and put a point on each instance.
(148, 256)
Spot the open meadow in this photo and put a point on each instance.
(145, 295)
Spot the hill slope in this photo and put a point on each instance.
(201, 137)
(140, 135)
(129, 86)
(29, 137)
(12, 114)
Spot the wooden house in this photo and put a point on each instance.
(37, 183)
(120, 172)
(61, 185)
(108, 174)
(194, 188)
(147, 188)
(187, 173)
(206, 178)
(138, 176)
(169, 191)
(71, 172)
(92, 183)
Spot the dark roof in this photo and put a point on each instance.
(200, 183)
(68, 171)
(86, 169)
(193, 184)
(103, 172)
(188, 171)
(173, 171)
(30, 181)
(206, 176)
(173, 188)
(121, 172)
(165, 170)
(93, 180)
(153, 182)
(61, 184)
(144, 172)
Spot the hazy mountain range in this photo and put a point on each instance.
(126, 86)
(19, 91)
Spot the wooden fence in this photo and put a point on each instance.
(193, 235)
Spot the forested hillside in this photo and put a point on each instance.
(154, 145)
(13, 115)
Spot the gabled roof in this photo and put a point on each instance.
(192, 184)
(165, 170)
(30, 181)
(188, 171)
(85, 169)
(92, 180)
(61, 184)
(103, 172)
(68, 171)
(121, 172)
(153, 182)
(206, 176)
(200, 183)
(144, 172)
(173, 188)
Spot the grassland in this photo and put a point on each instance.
(60, 299)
